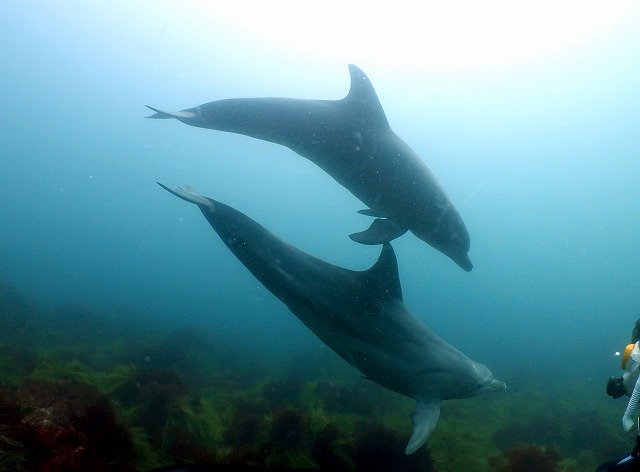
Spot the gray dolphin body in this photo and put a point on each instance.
(358, 314)
(351, 140)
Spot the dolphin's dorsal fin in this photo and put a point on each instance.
(383, 275)
(424, 419)
(362, 96)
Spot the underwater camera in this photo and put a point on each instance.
(615, 387)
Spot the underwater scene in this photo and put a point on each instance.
(350, 236)
(88, 390)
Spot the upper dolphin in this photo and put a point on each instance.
(359, 314)
(351, 140)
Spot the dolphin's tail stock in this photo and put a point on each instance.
(163, 115)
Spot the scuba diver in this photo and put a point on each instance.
(629, 463)
(628, 384)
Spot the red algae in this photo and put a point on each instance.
(64, 425)
(527, 458)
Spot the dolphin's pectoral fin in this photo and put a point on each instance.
(424, 419)
(159, 114)
(189, 195)
(370, 212)
(381, 231)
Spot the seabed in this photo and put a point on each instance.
(83, 390)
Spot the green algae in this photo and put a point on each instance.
(184, 397)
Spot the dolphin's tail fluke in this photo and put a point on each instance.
(189, 195)
(161, 115)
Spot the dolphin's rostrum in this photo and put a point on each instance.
(351, 140)
(359, 314)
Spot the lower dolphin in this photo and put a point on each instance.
(359, 314)
(351, 140)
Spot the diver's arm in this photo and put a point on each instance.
(628, 420)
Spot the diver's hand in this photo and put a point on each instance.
(627, 423)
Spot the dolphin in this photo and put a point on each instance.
(359, 314)
(350, 139)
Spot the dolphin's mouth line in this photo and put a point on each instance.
(493, 385)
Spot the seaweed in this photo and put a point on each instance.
(154, 394)
(541, 429)
(527, 458)
(569, 432)
(456, 446)
(77, 395)
(289, 428)
(329, 450)
(186, 446)
(243, 429)
(380, 449)
(356, 398)
(283, 392)
(182, 350)
(64, 425)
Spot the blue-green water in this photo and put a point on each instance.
(540, 153)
